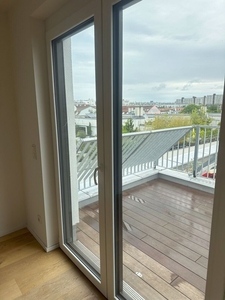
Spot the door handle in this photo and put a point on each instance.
(95, 179)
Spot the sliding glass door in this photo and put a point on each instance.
(168, 76)
(126, 158)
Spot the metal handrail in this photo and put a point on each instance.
(189, 149)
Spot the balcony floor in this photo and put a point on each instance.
(166, 239)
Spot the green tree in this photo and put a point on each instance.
(189, 108)
(129, 126)
(161, 122)
(213, 109)
(148, 125)
(199, 117)
(81, 134)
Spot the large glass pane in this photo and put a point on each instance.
(77, 138)
(168, 84)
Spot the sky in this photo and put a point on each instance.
(171, 49)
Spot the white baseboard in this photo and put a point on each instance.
(47, 249)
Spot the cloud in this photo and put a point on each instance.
(217, 87)
(169, 51)
(166, 42)
(190, 84)
(160, 87)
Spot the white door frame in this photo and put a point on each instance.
(102, 9)
(74, 18)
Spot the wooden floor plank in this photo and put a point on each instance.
(188, 289)
(15, 243)
(169, 234)
(40, 275)
(169, 263)
(176, 204)
(16, 254)
(185, 191)
(89, 243)
(92, 213)
(9, 290)
(177, 199)
(146, 291)
(188, 197)
(191, 235)
(202, 261)
(171, 218)
(197, 220)
(143, 212)
(13, 235)
(38, 269)
(91, 232)
(166, 242)
(181, 259)
(151, 279)
(150, 263)
(164, 227)
(169, 214)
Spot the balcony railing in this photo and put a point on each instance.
(191, 149)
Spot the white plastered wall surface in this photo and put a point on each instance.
(28, 47)
(12, 204)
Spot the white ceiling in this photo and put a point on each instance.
(6, 4)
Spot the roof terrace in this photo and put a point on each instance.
(167, 209)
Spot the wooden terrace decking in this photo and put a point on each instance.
(166, 239)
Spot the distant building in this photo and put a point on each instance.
(83, 110)
(154, 111)
(205, 100)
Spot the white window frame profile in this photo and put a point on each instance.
(75, 17)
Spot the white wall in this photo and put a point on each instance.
(27, 39)
(27, 36)
(12, 202)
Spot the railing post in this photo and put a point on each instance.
(196, 151)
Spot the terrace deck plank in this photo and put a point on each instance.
(171, 235)
(169, 263)
(202, 261)
(180, 205)
(171, 218)
(175, 255)
(142, 287)
(165, 239)
(197, 220)
(166, 211)
(176, 198)
(150, 263)
(187, 192)
(188, 289)
(89, 243)
(92, 233)
(167, 243)
(165, 206)
(188, 235)
(152, 279)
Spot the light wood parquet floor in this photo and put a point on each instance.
(28, 272)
